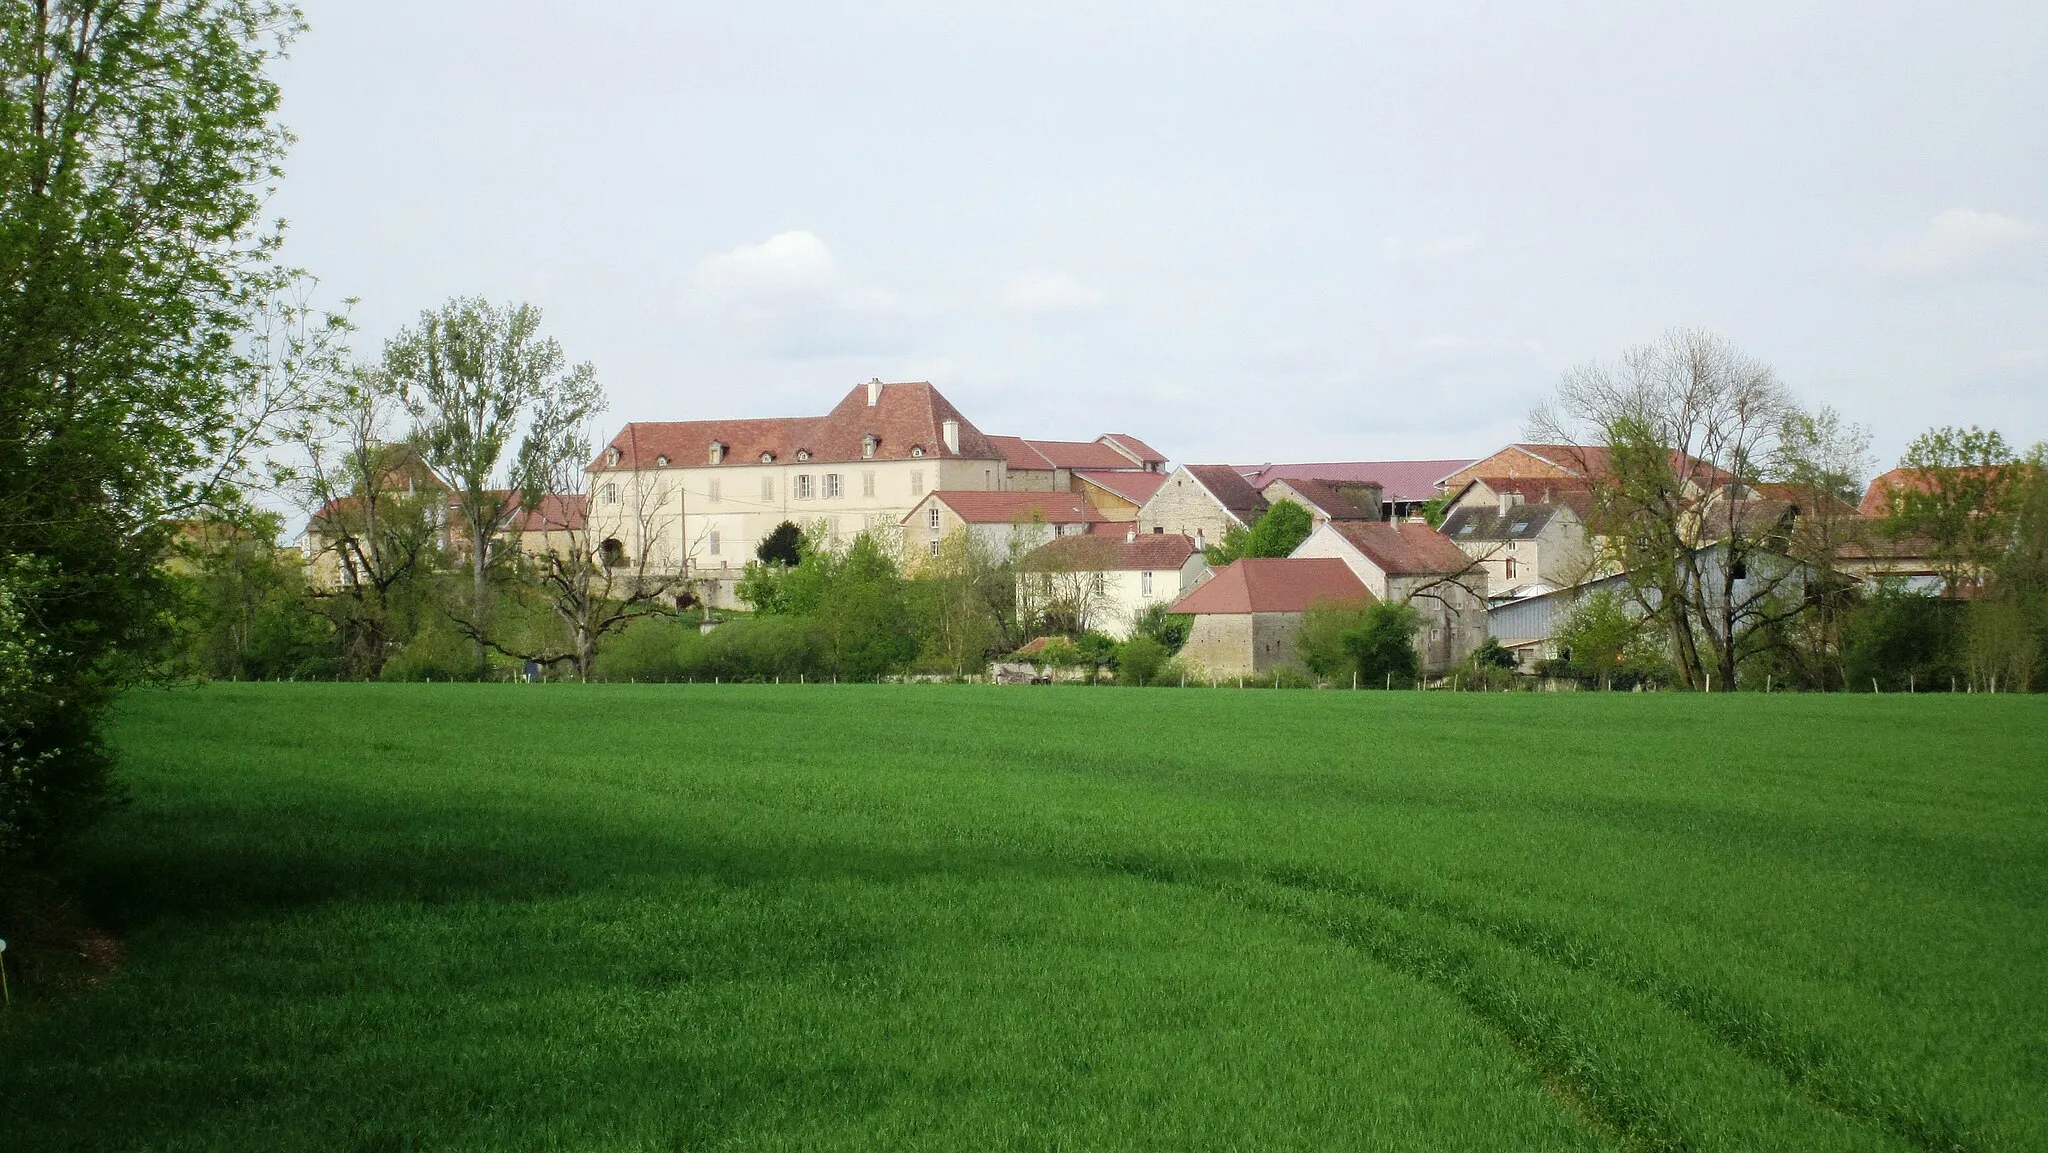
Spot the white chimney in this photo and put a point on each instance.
(874, 391)
(1198, 540)
(952, 431)
(1509, 500)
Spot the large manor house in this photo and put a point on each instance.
(1120, 530)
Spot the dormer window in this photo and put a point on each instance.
(868, 444)
(661, 461)
(803, 454)
(767, 458)
(917, 450)
(612, 455)
(717, 452)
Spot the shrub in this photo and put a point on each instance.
(1320, 639)
(649, 649)
(1140, 660)
(1170, 629)
(1903, 639)
(1382, 645)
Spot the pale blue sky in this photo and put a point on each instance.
(1243, 232)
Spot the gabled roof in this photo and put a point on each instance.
(1337, 500)
(1103, 552)
(1399, 480)
(1050, 454)
(1136, 487)
(1401, 548)
(557, 512)
(1230, 489)
(1486, 523)
(976, 506)
(1136, 449)
(1571, 492)
(1274, 585)
(1590, 460)
(904, 418)
(1888, 487)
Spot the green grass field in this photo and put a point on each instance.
(370, 917)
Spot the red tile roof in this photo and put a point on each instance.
(1886, 489)
(1230, 489)
(1105, 552)
(1338, 500)
(1049, 454)
(978, 507)
(1402, 548)
(1136, 487)
(1274, 585)
(905, 417)
(1571, 492)
(1587, 460)
(1399, 480)
(558, 512)
(1145, 453)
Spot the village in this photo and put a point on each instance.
(1495, 550)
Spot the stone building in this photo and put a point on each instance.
(1246, 616)
(1201, 501)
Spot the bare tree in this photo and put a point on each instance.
(471, 373)
(591, 592)
(1673, 440)
(375, 511)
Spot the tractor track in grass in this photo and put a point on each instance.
(1567, 1065)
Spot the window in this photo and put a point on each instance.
(935, 547)
(931, 517)
(803, 486)
(717, 453)
(1098, 584)
(661, 462)
(867, 448)
(833, 486)
(767, 458)
(917, 484)
(867, 484)
(611, 494)
(713, 493)
(767, 488)
(1145, 584)
(803, 454)
(1158, 530)
(917, 450)
(714, 542)
(1509, 572)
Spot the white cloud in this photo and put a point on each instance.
(1400, 250)
(789, 263)
(788, 296)
(1962, 244)
(1052, 293)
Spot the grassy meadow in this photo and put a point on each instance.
(395, 917)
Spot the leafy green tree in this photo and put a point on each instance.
(1491, 654)
(1382, 645)
(1960, 496)
(249, 612)
(1236, 539)
(782, 546)
(1320, 639)
(1169, 628)
(865, 613)
(473, 374)
(137, 144)
(1280, 531)
(1139, 659)
(1903, 640)
(964, 605)
(1604, 638)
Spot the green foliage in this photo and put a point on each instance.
(963, 605)
(649, 649)
(439, 652)
(1320, 639)
(1280, 531)
(784, 545)
(1960, 499)
(1491, 654)
(1904, 640)
(1236, 539)
(1170, 629)
(1276, 534)
(854, 598)
(1382, 645)
(1139, 660)
(1602, 641)
(1436, 508)
(136, 147)
(246, 610)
